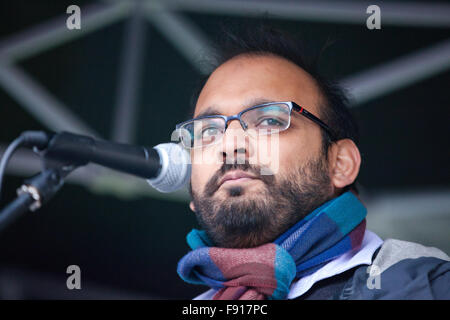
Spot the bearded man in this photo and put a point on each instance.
(292, 227)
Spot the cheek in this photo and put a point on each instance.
(267, 153)
(287, 151)
(202, 171)
(198, 177)
(286, 157)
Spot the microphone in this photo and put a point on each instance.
(166, 167)
(175, 171)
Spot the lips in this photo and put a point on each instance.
(236, 176)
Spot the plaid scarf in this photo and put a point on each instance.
(267, 271)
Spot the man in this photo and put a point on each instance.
(291, 227)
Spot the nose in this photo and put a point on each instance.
(235, 144)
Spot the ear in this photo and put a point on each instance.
(192, 206)
(344, 162)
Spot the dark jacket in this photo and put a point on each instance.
(399, 270)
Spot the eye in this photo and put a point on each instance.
(209, 132)
(270, 122)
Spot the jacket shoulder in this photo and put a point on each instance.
(393, 251)
(402, 270)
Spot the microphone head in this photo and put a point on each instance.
(175, 168)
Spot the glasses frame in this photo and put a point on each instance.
(292, 106)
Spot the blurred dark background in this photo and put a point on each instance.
(128, 74)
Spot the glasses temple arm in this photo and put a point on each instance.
(313, 118)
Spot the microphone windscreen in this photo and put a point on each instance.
(175, 168)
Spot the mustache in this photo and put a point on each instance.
(213, 183)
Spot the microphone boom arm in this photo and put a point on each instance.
(64, 148)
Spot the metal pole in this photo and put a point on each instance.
(129, 77)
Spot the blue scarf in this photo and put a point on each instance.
(267, 271)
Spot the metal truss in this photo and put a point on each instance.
(190, 41)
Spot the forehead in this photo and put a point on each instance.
(245, 81)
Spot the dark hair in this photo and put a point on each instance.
(266, 40)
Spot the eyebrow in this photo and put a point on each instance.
(210, 111)
(213, 111)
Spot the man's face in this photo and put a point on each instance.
(247, 212)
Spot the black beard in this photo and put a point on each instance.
(259, 218)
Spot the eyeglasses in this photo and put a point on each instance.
(263, 119)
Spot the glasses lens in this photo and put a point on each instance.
(267, 119)
(202, 132)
